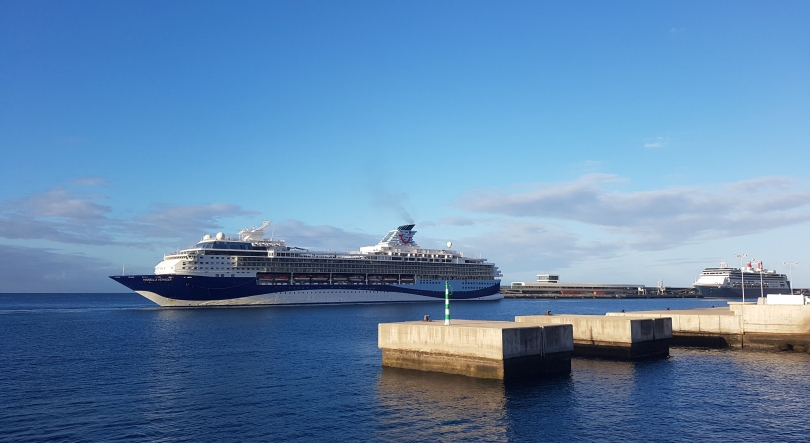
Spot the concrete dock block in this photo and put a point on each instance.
(748, 325)
(612, 337)
(486, 349)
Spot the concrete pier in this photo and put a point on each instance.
(612, 337)
(486, 349)
(749, 325)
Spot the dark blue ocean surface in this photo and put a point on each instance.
(112, 367)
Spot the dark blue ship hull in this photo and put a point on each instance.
(752, 293)
(196, 289)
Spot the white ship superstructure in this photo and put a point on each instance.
(725, 281)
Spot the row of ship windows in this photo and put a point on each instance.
(396, 254)
(484, 278)
(329, 262)
(300, 256)
(257, 266)
(253, 270)
(405, 259)
(755, 284)
(309, 259)
(318, 265)
(361, 270)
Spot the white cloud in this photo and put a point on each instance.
(659, 218)
(451, 221)
(173, 221)
(59, 203)
(26, 227)
(321, 237)
(658, 142)
(543, 226)
(25, 269)
(520, 245)
(63, 216)
(58, 215)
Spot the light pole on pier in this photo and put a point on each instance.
(760, 268)
(790, 267)
(447, 293)
(742, 274)
(446, 303)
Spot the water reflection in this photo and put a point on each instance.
(416, 406)
(764, 391)
(606, 393)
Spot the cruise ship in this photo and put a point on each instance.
(250, 270)
(728, 282)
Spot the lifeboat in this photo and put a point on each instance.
(407, 279)
(320, 278)
(272, 277)
(339, 278)
(301, 278)
(357, 278)
(390, 279)
(375, 278)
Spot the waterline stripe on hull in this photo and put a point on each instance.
(306, 297)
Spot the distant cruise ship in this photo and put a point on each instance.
(252, 271)
(728, 282)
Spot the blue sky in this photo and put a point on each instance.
(617, 142)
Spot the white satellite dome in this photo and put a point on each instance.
(206, 237)
(449, 245)
(220, 236)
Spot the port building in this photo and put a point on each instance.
(548, 285)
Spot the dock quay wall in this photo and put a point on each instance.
(612, 337)
(509, 292)
(485, 349)
(749, 325)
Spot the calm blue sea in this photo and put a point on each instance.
(113, 367)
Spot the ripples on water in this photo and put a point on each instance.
(113, 368)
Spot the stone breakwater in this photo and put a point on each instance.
(750, 325)
(625, 338)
